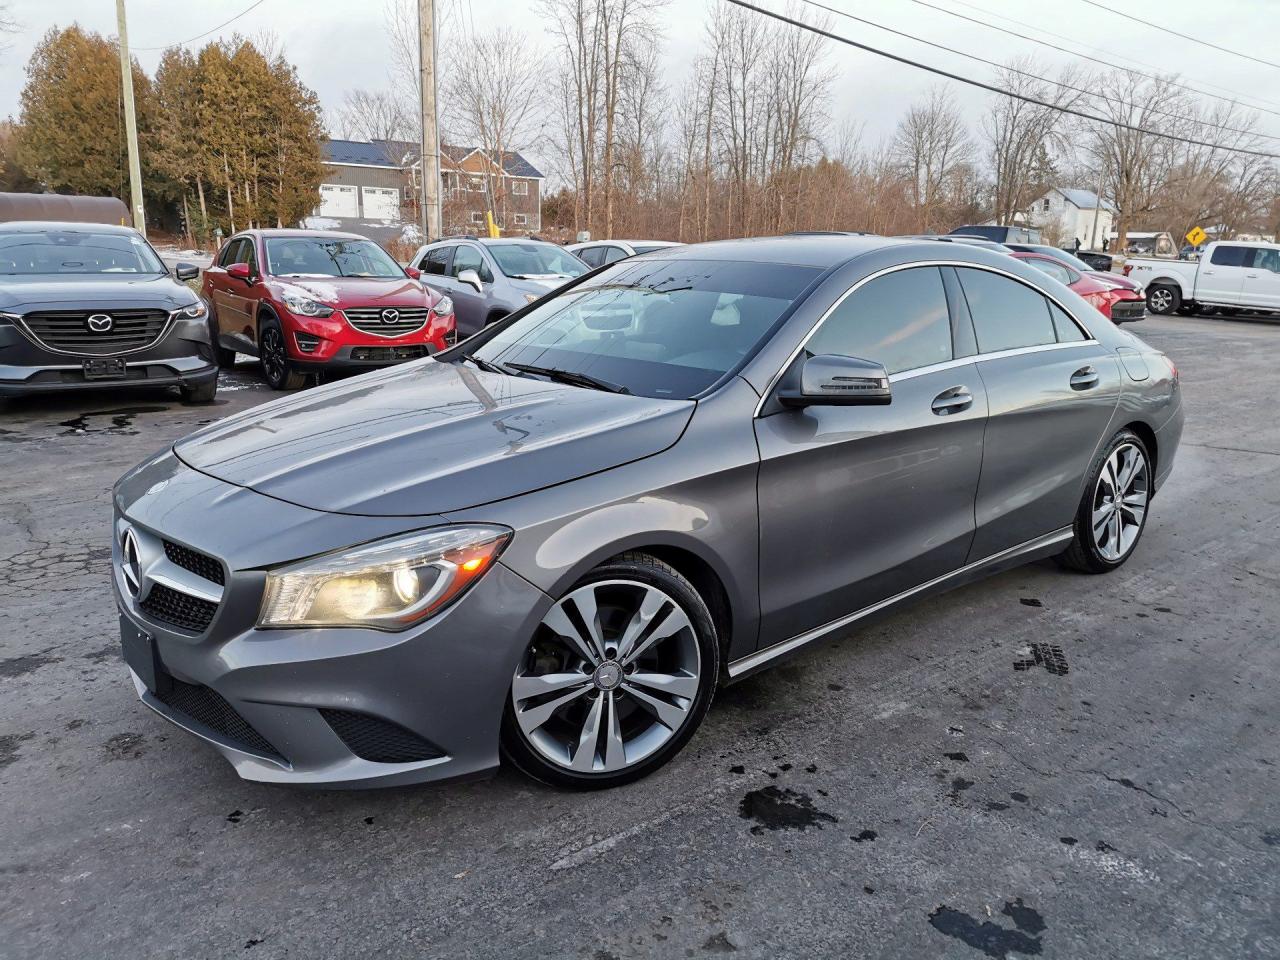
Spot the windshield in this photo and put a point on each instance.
(329, 257)
(659, 328)
(533, 259)
(76, 251)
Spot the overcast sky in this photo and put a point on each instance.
(338, 45)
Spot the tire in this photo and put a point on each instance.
(494, 318)
(1163, 299)
(224, 358)
(201, 392)
(276, 367)
(675, 647)
(1105, 538)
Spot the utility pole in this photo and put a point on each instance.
(429, 192)
(131, 124)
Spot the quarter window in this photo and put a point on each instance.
(899, 320)
(1006, 314)
(1063, 325)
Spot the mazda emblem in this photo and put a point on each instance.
(390, 316)
(100, 323)
(131, 565)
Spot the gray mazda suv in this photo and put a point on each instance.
(553, 542)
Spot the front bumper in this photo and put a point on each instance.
(314, 700)
(181, 358)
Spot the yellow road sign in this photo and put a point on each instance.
(1196, 236)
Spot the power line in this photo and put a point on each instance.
(1032, 76)
(1175, 33)
(1085, 56)
(198, 36)
(994, 89)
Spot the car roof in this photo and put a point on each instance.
(42, 226)
(299, 233)
(808, 250)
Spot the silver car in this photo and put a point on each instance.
(490, 278)
(552, 543)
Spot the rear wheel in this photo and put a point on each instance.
(616, 679)
(1113, 510)
(1163, 299)
(276, 367)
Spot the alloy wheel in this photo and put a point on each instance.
(274, 359)
(1120, 501)
(1160, 299)
(611, 675)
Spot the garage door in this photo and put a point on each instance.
(381, 203)
(338, 201)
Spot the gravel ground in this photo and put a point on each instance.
(925, 787)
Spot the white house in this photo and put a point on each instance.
(1075, 215)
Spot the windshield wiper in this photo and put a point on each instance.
(486, 365)
(571, 377)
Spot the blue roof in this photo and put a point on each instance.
(1084, 199)
(395, 154)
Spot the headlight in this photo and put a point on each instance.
(388, 585)
(194, 312)
(443, 307)
(530, 297)
(304, 306)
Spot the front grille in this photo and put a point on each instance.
(388, 354)
(202, 565)
(204, 705)
(369, 320)
(179, 609)
(379, 740)
(451, 337)
(68, 330)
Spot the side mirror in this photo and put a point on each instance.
(413, 272)
(829, 380)
(186, 271)
(240, 271)
(472, 278)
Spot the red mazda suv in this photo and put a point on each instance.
(309, 300)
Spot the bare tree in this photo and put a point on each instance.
(931, 144)
(1021, 135)
(373, 115)
(493, 98)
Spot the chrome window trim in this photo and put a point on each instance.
(21, 324)
(943, 365)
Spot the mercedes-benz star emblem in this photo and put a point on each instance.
(390, 316)
(132, 565)
(100, 323)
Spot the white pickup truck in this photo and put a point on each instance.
(1229, 274)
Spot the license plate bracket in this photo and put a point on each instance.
(105, 368)
(139, 650)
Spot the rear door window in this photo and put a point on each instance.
(614, 254)
(1229, 256)
(590, 255)
(1006, 314)
(436, 261)
(899, 320)
(1058, 271)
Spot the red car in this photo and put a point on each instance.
(1117, 302)
(309, 300)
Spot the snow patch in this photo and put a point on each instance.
(320, 223)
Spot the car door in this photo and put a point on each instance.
(471, 307)
(859, 503)
(1220, 279)
(1262, 279)
(229, 294)
(1051, 391)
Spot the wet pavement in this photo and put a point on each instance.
(1044, 764)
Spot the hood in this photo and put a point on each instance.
(539, 284)
(429, 438)
(339, 292)
(19, 294)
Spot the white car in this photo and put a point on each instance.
(1234, 275)
(596, 253)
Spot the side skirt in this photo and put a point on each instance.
(1036, 549)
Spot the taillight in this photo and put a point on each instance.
(1173, 367)
(1127, 267)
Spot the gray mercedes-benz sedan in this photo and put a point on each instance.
(552, 542)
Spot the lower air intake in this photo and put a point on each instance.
(379, 740)
(204, 705)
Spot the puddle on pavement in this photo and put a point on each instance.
(118, 421)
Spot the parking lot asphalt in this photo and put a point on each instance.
(1043, 764)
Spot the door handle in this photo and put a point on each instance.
(1252, 276)
(1084, 378)
(952, 401)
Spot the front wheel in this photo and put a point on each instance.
(618, 676)
(226, 359)
(279, 373)
(1113, 510)
(1163, 299)
(201, 392)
